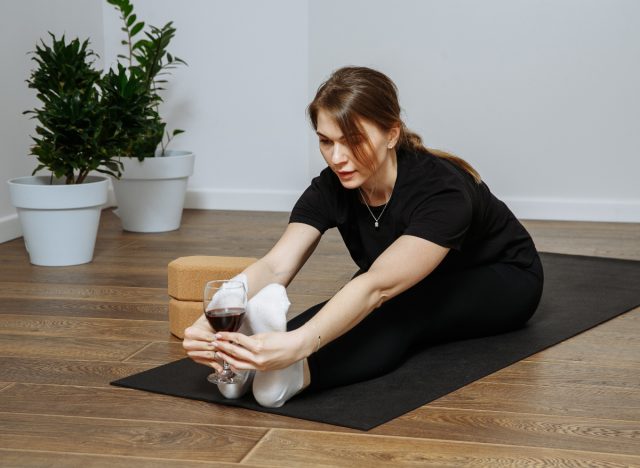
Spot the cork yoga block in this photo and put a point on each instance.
(188, 275)
(182, 314)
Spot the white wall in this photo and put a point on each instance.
(241, 99)
(542, 97)
(22, 24)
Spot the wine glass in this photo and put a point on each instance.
(224, 305)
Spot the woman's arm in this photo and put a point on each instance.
(285, 259)
(403, 264)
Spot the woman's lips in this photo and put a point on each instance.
(345, 174)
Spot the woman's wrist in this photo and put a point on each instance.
(309, 341)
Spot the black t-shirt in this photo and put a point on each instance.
(433, 199)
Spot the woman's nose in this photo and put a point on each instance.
(338, 154)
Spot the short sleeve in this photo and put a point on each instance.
(442, 218)
(316, 206)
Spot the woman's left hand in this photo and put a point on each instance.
(263, 351)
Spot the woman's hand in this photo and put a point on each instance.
(263, 351)
(198, 339)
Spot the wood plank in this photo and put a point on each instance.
(579, 401)
(124, 403)
(165, 250)
(65, 372)
(137, 275)
(488, 427)
(96, 328)
(85, 308)
(302, 448)
(564, 373)
(15, 250)
(31, 458)
(74, 292)
(5, 385)
(85, 349)
(126, 437)
(591, 348)
(302, 302)
(159, 353)
(326, 288)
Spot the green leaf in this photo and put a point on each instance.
(130, 20)
(137, 28)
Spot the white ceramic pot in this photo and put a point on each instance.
(59, 222)
(150, 194)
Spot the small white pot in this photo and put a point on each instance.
(150, 194)
(59, 222)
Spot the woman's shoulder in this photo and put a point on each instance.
(426, 171)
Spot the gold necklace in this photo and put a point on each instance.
(376, 221)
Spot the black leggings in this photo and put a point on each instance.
(481, 301)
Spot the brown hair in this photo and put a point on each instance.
(351, 93)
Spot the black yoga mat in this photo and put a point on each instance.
(579, 293)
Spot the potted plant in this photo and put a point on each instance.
(150, 194)
(60, 212)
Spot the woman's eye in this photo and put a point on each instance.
(325, 142)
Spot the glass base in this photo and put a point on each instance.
(227, 376)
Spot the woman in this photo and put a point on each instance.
(440, 257)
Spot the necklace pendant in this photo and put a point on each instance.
(376, 225)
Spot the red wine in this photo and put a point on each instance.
(225, 319)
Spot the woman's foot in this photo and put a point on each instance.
(268, 314)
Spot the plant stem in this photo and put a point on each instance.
(81, 176)
(130, 46)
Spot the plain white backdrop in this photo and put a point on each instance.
(542, 97)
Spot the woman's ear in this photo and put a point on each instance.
(393, 136)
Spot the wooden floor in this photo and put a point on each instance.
(65, 333)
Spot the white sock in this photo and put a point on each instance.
(269, 313)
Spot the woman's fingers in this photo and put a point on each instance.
(205, 355)
(236, 364)
(198, 334)
(247, 342)
(213, 364)
(207, 358)
(195, 345)
(236, 351)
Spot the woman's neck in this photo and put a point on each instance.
(379, 187)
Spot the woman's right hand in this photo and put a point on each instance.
(197, 343)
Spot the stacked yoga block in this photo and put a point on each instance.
(187, 277)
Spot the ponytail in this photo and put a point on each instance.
(413, 142)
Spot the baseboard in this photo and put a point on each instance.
(243, 200)
(563, 209)
(602, 210)
(10, 228)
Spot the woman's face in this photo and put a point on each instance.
(339, 156)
